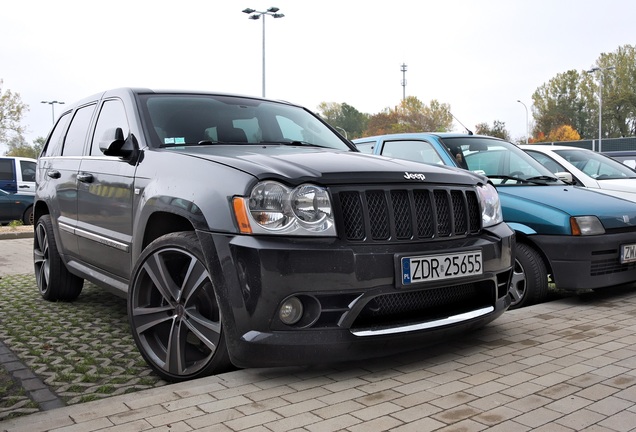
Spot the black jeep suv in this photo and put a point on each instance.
(248, 232)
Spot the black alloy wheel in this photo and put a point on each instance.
(54, 280)
(173, 311)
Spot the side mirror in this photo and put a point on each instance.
(113, 143)
(564, 176)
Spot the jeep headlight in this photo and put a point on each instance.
(273, 208)
(491, 213)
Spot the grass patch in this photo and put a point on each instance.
(69, 343)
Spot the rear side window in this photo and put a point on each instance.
(54, 146)
(7, 172)
(76, 136)
(28, 171)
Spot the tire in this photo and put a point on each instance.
(173, 310)
(54, 280)
(27, 217)
(529, 283)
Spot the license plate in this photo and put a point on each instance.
(437, 267)
(628, 253)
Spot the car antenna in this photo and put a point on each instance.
(468, 130)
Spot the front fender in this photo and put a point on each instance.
(521, 228)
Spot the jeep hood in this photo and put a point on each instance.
(547, 209)
(297, 164)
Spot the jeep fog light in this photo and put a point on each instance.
(291, 310)
(586, 225)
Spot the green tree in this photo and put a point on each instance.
(498, 130)
(11, 111)
(563, 100)
(571, 98)
(344, 118)
(19, 147)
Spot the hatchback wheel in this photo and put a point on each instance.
(529, 283)
(174, 315)
(53, 278)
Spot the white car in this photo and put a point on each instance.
(587, 168)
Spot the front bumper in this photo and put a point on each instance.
(355, 306)
(587, 262)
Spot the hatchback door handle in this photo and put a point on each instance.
(85, 178)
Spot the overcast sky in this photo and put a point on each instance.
(478, 56)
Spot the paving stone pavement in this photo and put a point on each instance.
(565, 365)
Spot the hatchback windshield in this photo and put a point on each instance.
(502, 162)
(177, 120)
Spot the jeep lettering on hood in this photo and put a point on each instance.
(414, 176)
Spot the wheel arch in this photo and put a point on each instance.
(522, 237)
(160, 223)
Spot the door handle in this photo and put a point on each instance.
(85, 178)
(54, 174)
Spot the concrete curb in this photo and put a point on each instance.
(15, 235)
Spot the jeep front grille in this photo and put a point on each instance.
(408, 214)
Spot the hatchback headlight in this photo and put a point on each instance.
(491, 213)
(586, 225)
(273, 208)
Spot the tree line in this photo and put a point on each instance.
(566, 108)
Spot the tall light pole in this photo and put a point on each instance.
(52, 103)
(600, 100)
(254, 15)
(524, 105)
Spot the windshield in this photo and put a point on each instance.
(501, 161)
(178, 120)
(596, 165)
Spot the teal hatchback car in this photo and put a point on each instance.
(575, 237)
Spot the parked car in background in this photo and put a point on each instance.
(247, 232)
(17, 175)
(626, 157)
(587, 168)
(15, 207)
(580, 238)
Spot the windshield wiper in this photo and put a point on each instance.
(293, 143)
(506, 177)
(177, 145)
(544, 178)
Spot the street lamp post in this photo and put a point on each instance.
(254, 15)
(600, 100)
(527, 133)
(52, 103)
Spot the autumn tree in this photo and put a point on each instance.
(563, 133)
(412, 115)
(11, 111)
(498, 130)
(382, 123)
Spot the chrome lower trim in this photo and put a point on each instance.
(94, 237)
(425, 325)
